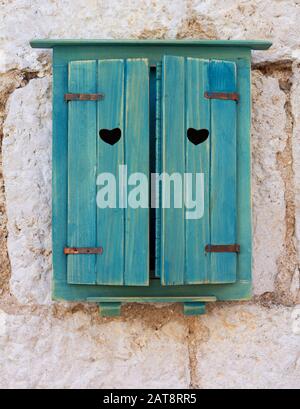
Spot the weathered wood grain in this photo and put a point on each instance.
(223, 182)
(137, 161)
(173, 162)
(197, 161)
(110, 221)
(82, 144)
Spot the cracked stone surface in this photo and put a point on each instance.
(52, 345)
(27, 171)
(275, 20)
(235, 347)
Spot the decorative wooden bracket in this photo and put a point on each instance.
(233, 96)
(83, 97)
(110, 309)
(111, 306)
(194, 308)
(223, 248)
(83, 250)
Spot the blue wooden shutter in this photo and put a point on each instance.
(223, 178)
(110, 226)
(122, 232)
(183, 256)
(82, 148)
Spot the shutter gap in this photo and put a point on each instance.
(158, 157)
(152, 167)
(185, 170)
(125, 163)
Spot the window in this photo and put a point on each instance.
(179, 111)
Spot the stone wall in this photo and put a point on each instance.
(236, 345)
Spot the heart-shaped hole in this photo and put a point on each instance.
(197, 136)
(110, 136)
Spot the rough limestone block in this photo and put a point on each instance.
(268, 138)
(249, 346)
(296, 149)
(76, 351)
(27, 175)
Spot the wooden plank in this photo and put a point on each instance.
(223, 200)
(81, 172)
(137, 161)
(188, 44)
(152, 299)
(244, 225)
(110, 221)
(63, 54)
(59, 179)
(173, 161)
(197, 161)
(223, 292)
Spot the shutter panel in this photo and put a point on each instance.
(183, 256)
(137, 159)
(223, 208)
(173, 161)
(123, 233)
(110, 222)
(82, 128)
(197, 161)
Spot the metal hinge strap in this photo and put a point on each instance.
(83, 250)
(233, 96)
(83, 97)
(223, 248)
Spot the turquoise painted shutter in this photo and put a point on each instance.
(197, 161)
(137, 159)
(122, 232)
(223, 179)
(183, 240)
(82, 147)
(110, 222)
(173, 161)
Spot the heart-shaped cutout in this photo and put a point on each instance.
(197, 136)
(110, 136)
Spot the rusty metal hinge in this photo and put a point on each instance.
(83, 97)
(83, 250)
(223, 248)
(233, 96)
